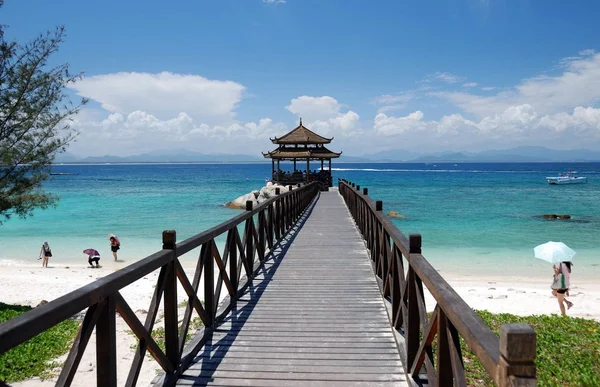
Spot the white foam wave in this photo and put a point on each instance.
(434, 170)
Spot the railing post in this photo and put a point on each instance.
(209, 284)
(249, 240)
(413, 323)
(365, 191)
(358, 188)
(516, 366)
(378, 205)
(106, 346)
(170, 301)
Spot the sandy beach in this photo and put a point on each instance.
(28, 284)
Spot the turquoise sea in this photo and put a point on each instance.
(479, 215)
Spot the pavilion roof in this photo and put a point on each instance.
(301, 135)
(301, 153)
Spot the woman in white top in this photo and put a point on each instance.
(45, 253)
(563, 270)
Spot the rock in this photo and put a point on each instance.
(492, 289)
(67, 267)
(553, 216)
(521, 291)
(141, 311)
(41, 303)
(501, 297)
(256, 197)
(394, 214)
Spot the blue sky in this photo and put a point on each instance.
(378, 75)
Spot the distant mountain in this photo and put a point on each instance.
(352, 159)
(392, 155)
(171, 156)
(519, 154)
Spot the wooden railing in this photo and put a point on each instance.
(264, 226)
(402, 271)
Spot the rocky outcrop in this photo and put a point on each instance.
(554, 216)
(394, 214)
(256, 197)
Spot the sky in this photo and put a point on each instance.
(421, 75)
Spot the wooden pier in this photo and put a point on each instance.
(313, 317)
(321, 289)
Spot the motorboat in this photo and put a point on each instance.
(567, 178)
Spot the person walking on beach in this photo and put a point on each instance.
(45, 253)
(561, 284)
(115, 245)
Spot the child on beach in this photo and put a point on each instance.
(561, 284)
(45, 253)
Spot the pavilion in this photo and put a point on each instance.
(301, 144)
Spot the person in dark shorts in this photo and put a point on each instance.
(45, 253)
(114, 246)
(561, 284)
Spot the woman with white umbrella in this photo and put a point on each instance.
(561, 256)
(561, 284)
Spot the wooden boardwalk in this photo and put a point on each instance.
(313, 317)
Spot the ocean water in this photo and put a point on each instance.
(480, 214)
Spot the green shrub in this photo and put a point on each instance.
(568, 350)
(33, 357)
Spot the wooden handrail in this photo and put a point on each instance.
(102, 298)
(452, 317)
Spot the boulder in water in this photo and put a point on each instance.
(256, 197)
(394, 214)
(554, 216)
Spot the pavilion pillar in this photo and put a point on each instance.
(322, 164)
(278, 171)
(294, 165)
(307, 168)
(272, 168)
(329, 175)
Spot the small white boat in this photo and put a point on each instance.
(567, 178)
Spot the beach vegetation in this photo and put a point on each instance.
(568, 350)
(35, 120)
(35, 357)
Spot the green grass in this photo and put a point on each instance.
(33, 357)
(568, 350)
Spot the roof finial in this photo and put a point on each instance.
(300, 121)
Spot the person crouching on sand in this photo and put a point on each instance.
(561, 284)
(93, 257)
(45, 253)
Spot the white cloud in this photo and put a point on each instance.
(390, 126)
(139, 132)
(516, 125)
(488, 88)
(163, 95)
(274, 1)
(392, 102)
(577, 85)
(323, 114)
(448, 78)
(469, 84)
(314, 108)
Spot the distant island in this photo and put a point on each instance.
(517, 155)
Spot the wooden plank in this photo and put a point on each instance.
(209, 381)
